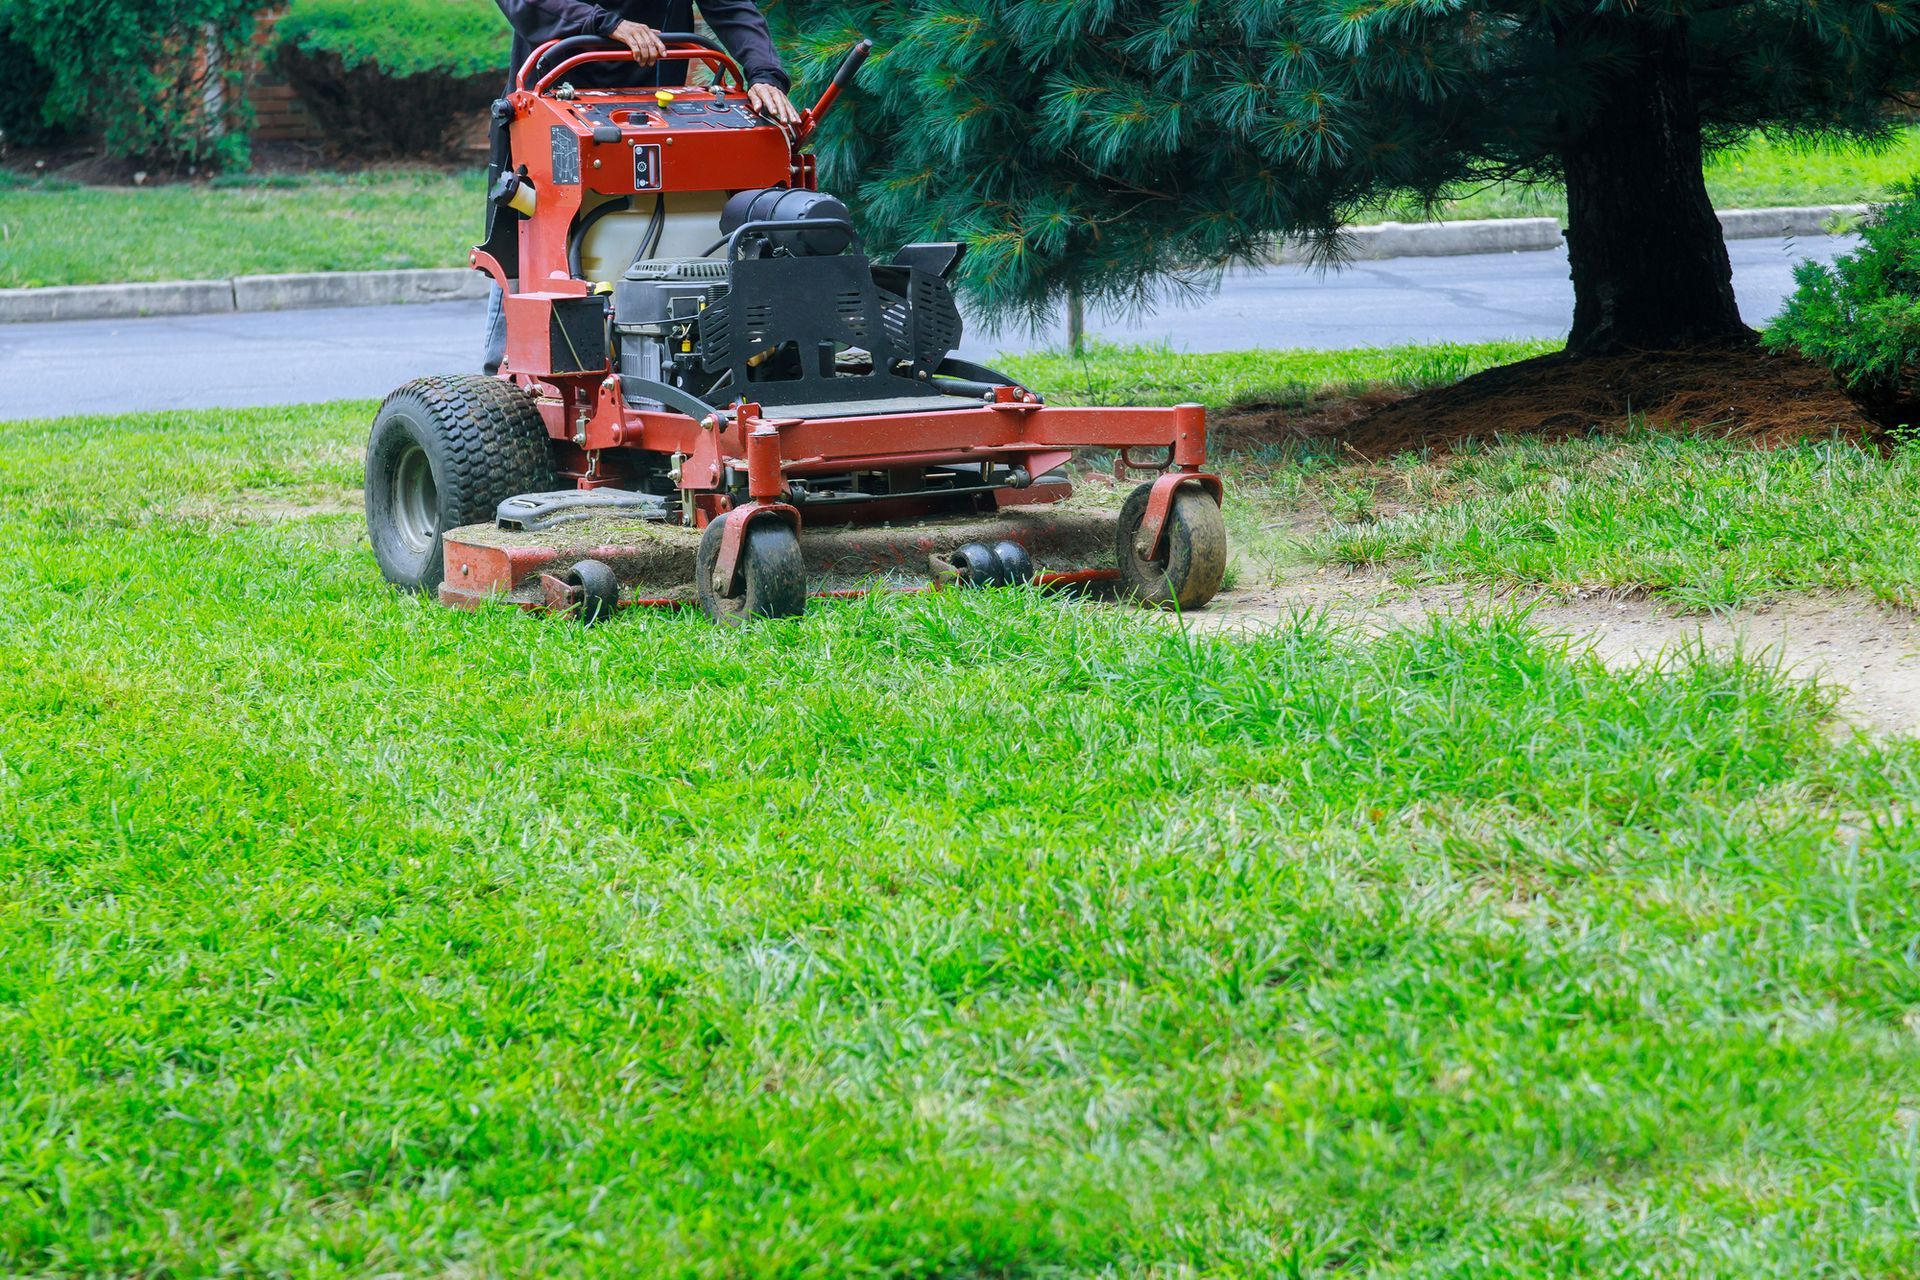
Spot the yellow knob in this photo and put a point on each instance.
(663, 97)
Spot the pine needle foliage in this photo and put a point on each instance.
(1117, 146)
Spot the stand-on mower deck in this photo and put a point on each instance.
(700, 356)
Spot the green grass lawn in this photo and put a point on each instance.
(963, 935)
(1757, 175)
(374, 221)
(53, 234)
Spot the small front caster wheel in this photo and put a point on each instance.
(1004, 564)
(598, 589)
(1193, 560)
(772, 582)
(974, 565)
(1016, 566)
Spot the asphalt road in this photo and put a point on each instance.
(294, 357)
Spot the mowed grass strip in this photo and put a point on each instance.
(973, 934)
(1704, 522)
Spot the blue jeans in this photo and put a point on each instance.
(496, 331)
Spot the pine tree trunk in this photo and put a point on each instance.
(1650, 266)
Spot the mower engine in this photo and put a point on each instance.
(658, 304)
(701, 356)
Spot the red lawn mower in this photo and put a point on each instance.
(702, 362)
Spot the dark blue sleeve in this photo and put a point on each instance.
(537, 21)
(743, 29)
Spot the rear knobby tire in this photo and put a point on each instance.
(773, 578)
(1193, 561)
(445, 452)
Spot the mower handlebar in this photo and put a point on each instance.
(557, 57)
(850, 65)
(810, 120)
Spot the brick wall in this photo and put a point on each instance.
(278, 113)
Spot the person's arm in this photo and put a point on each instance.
(538, 21)
(743, 29)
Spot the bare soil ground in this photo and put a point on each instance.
(1869, 651)
(1743, 392)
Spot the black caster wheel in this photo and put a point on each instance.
(1193, 560)
(1016, 566)
(771, 583)
(974, 565)
(599, 591)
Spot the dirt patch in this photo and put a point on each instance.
(1866, 649)
(1244, 427)
(1742, 392)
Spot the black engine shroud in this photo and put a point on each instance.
(784, 326)
(795, 315)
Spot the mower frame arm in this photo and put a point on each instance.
(577, 51)
(636, 387)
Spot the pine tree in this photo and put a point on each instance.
(1112, 146)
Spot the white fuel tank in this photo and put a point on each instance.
(691, 225)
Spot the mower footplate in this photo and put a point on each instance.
(654, 562)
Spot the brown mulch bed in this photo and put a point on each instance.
(1742, 392)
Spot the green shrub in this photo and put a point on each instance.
(393, 76)
(1861, 316)
(401, 38)
(135, 72)
(23, 90)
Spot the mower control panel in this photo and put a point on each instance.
(676, 113)
(714, 115)
(678, 138)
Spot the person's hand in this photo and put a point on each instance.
(770, 102)
(648, 48)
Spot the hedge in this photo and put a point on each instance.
(400, 38)
(393, 77)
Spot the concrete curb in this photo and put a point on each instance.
(355, 289)
(453, 284)
(241, 293)
(1528, 235)
(107, 301)
(1799, 220)
(1435, 239)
